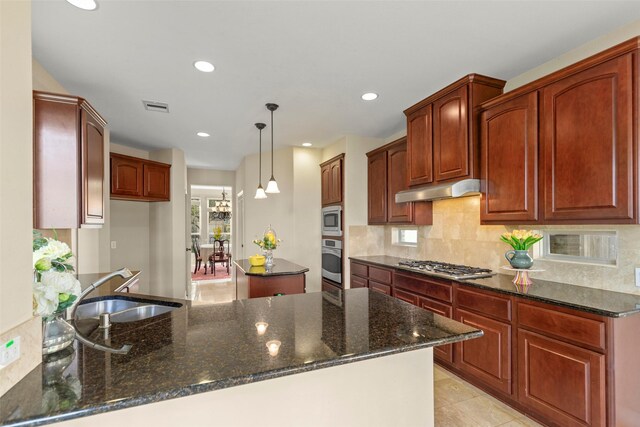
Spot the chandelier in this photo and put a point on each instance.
(222, 209)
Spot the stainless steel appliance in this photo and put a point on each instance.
(332, 260)
(448, 271)
(332, 221)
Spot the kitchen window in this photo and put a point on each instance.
(404, 236)
(580, 246)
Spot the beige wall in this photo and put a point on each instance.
(457, 236)
(90, 245)
(168, 231)
(16, 181)
(294, 213)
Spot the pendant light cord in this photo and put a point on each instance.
(271, 144)
(260, 161)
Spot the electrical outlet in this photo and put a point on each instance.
(113, 244)
(9, 351)
(638, 276)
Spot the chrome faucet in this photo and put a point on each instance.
(124, 273)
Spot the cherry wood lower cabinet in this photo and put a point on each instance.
(561, 366)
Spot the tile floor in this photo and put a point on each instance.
(459, 404)
(206, 292)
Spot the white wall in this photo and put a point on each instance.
(168, 231)
(294, 213)
(16, 182)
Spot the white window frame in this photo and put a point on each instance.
(542, 250)
(397, 238)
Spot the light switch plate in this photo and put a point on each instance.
(638, 276)
(113, 244)
(9, 351)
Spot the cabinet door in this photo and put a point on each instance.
(358, 282)
(126, 176)
(326, 184)
(377, 184)
(55, 162)
(487, 358)
(420, 146)
(156, 181)
(509, 161)
(442, 352)
(336, 181)
(92, 135)
(564, 382)
(398, 181)
(587, 140)
(451, 136)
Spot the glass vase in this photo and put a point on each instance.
(57, 333)
(268, 259)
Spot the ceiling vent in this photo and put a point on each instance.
(159, 107)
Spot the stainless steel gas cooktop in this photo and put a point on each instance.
(448, 271)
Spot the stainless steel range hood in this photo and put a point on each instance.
(466, 187)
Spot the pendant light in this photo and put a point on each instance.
(272, 186)
(260, 194)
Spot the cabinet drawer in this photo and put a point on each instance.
(381, 275)
(359, 269)
(433, 288)
(379, 287)
(485, 303)
(580, 330)
(405, 296)
(358, 282)
(444, 353)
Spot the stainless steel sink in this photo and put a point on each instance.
(140, 312)
(123, 310)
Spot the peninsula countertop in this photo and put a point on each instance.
(281, 267)
(196, 349)
(591, 300)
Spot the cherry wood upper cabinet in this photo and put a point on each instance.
(138, 179)
(68, 144)
(397, 180)
(331, 182)
(387, 173)
(450, 136)
(443, 131)
(509, 161)
(377, 184)
(420, 146)
(126, 176)
(588, 142)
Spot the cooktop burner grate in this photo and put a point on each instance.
(443, 269)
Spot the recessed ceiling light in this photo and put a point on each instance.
(203, 134)
(307, 144)
(369, 96)
(204, 66)
(84, 4)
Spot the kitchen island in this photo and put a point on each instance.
(337, 356)
(282, 278)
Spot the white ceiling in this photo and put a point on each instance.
(315, 59)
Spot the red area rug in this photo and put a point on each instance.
(221, 273)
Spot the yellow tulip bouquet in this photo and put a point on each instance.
(521, 240)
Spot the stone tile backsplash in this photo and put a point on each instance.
(456, 236)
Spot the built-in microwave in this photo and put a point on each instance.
(332, 221)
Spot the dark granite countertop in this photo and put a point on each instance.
(583, 298)
(281, 267)
(196, 349)
(115, 284)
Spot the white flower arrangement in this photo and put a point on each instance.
(55, 287)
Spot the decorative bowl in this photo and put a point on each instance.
(256, 260)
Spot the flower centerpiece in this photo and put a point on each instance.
(55, 288)
(520, 241)
(268, 243)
